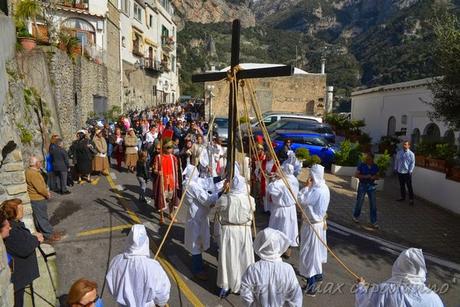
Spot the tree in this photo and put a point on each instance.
(446, 89)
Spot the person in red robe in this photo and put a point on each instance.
(166, 183)
(269, 170)
(256, 166)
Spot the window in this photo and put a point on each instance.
(404, 120)
(123, 41)
(124, 6)
(137, 44)
(138, 12)
(164, 35)
(81, 29)
(391, 128)
(173, 63)
(150, 21)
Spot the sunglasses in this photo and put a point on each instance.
(90, 303)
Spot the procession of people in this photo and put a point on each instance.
(182, 156)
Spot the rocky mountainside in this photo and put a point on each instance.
(365, 42)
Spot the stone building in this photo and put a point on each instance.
(302, 92)
(148, 51)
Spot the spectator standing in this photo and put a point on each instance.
(6, 294)
(21, 245)
(39, 195)
(51, 179)
(100, 161)
(84, 293)
(131, 150)
(142, 175)
(404, 166)
(118, 149)
(61, 165)
(283, 154)
(83, 156)
(134, 279)
(367, 173)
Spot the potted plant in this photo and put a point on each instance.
(364, 141)
(442, 153)
(383, 162)
(69, 43)
(27, 10)
(388, 143)
(303, 154)
(25, 39)
(346, 159)
(422, 151)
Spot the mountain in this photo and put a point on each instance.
(365, 42)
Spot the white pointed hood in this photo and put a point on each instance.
(270, 244)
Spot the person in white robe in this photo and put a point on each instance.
(292, 160)
(283, 215)
(270, 282)
(199, 198)
(314, 199)
(234, 215)
(406, 287)
(133, 278)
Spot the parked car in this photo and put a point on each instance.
(272, 117)
(221, 127)
(314, 142)
(302, 125)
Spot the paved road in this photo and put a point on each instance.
(97, 218)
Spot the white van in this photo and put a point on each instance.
(271, 117)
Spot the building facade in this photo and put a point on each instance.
(400, 109)
(302, 92)
(148, 52)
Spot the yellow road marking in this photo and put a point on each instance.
(173, 274)
(95, 181)
(131, 214)
(103, 230)
(82, 182)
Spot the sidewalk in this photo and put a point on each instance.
(45, 285)
(424, 225)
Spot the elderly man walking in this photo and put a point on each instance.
(406, 287)
(235, 213)
(404, 166)
(270, 282)
(314, 199)
(39, 194)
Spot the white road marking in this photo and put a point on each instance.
(112, 174)
(395, 247)
(343, 233)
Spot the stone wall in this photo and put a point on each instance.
(303, 93)
(113, 55)
(138, 88)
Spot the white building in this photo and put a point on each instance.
(401, 109)
(148, 52)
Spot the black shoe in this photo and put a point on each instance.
(401, 199)
(310, 292)
(411, 202)
(66, 192)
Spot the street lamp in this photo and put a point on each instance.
(209, 89)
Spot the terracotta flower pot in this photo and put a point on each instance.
(28, 43)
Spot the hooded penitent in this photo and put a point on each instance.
(133, 278)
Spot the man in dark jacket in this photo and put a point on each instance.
(60, 165)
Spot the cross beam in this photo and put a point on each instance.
(277, 71)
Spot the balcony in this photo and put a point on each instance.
(167, 43)
(152, 66)
(77, 4)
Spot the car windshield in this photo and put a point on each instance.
(316, 141)
(324, 129)
(276, 125)
(221, 122)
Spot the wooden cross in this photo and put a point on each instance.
(277, 71)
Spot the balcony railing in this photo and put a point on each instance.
(152, 65)
(167, 43)
(78, 4)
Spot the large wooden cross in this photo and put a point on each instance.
(277, 71)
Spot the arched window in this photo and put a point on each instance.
(81, 28)
(449, 137)
(391, 129)
(415, 137)
(311, 107)
(432, 133)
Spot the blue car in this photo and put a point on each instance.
(314, 142)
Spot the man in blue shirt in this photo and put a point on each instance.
(367, 173)
(404, 166)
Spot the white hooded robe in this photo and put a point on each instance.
(235, 213)
(270, 282)
(283, 215)
(133, 278)
(406, 287)
(197, 200)
(314, 201)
